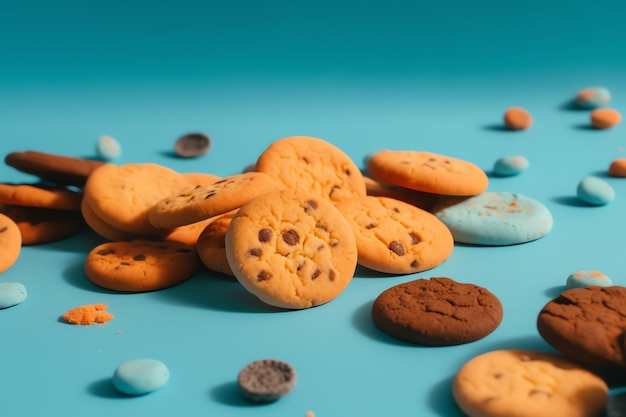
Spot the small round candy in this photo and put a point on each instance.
(108, 148)
(11, 293)
(266, 380)
(510, 165)
(517, 118)
(605, 118)
(140, 376)
(592, 97)
(595, 191)
(582, 279)
(618, 168)
(192, 145)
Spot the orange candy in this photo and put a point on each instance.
(605, 118)
(618, 168)
(517, 118)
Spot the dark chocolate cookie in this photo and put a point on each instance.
(587, 324)
(437, 312)
(266, 380)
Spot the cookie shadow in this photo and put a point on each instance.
(82, 242)
(496, 127)
(555, 291)
(363, 272)
(584, 126)
(104, 388)
(227, 393)
(170, 154)
(362, 321)
(569, 200)
(441, 401)
(74, 275)
(570, 105)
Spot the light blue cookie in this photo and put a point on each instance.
(140, 376)
(595, 191)
(11, 293)
(581, 279)
(508, 166)
(592, 97)
(495, 218)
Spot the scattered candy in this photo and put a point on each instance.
(605, 118)
(140, 376)
(510, 165)
(517, 118)
(595, 191)
(592, 97)
(192, 145)
(582, 279)
(11, 294)
(618, 168)
(108, 148)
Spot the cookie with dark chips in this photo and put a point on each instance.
(437, 312)
(587, 324)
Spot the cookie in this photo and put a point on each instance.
(211, 244)
(200, 178)
(101, 227)
(10, 242)
(494, 219)
(396, 237)
(140, 265)
(437, 312)
(204, 201)
(379, 188)
(428, 172)
(266, 380)
(60, 169)
(33, 195)
(123, 195)
(42, 225)
(312, 164)
(292, 249)
(587, 324)
(520, 383)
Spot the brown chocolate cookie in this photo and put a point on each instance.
(437, 312)
(587, 324)
(61, 169)
(43, 225)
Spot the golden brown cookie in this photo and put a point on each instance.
(204, 201)
(200, 178)
(42, 225)
(35, 195)
(428, 172)
(10, 242)
(122, 195)
(312, 164)
(378, 188)
(140, 265)
(211, 244)
(291, 248)
(101, 227)
(396, 237)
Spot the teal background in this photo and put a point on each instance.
(433, 76)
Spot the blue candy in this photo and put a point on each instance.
(510, 165)
(595, 191)
(593, 97)
(11, 293)
(140, 376)
(582, 279)
(108, 148)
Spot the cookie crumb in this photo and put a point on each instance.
(88, 314)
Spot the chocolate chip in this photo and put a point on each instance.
(311, 205)
(396, 209)
(139, 258)
(414, 239)
(265, 235)
(321, 226)
(209, 195)
(105, 252)
(263, 275)
(333, 189)
(255, 252)
(348, 172)
(331, 275)
(4, 229)
(415, 264)
(316, 273)
(124, 263)
(397, 248)
(370, 226)
(290, 237)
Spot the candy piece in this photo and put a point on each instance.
(592, 97)
(517, 118)
(108, 148)
(510, 165)
(618, 168)
(11, 294)
(192, 145)
(140, 376)
(605, 118)
(494, 219)
(595, 191)
(266, 380)
(88, 314)
(580, 279)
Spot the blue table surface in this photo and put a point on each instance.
(363, 76)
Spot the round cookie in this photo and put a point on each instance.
(211, 244)
(42, 225)
(494, 219)
(10, 242)
(428, 172)
(123, 195)
(60, 169)
(266, 380)
(101, 227)
(437, 312)
(312, 164)
(396, 237)
(140, 265)
(200, 178)
(587, 324)
(204, 201)
(292, 249)
(39, 196)
(524, 383)
(419, 199)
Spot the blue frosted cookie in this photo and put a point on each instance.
(581, 279)
(494, 218)
(595, 191)
(510, 165)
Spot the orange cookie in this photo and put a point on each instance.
(428, 172)
(200, 178)
(39, 196)
(122, 195)
(140, 265)
(205, 201)
(292, 249)
(42, 225)
(10, 242)
(396, 237)
(377, 188)
(313, 164)
(211, 244)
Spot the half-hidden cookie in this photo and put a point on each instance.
(312, 164)
(437, 312)
(292, 249)
(33, 195)
(204, 201)
(428, 172)
(419, 199)
(587, 324)
(60, 169)
(524, 383)
(123, 195)
(140, 265)
(211, 244)
(40, 225)
(396, 237)
(494, 219)
(10, 242)
(101, 227)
